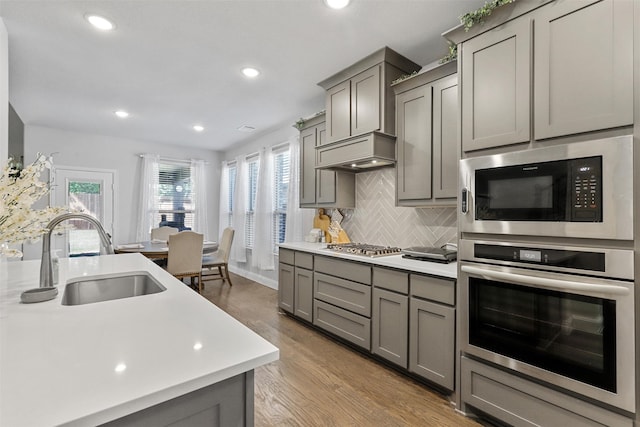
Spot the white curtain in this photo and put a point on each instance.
(223, 221)
(239, 249)
(199, 180)
(147, 202)
(262, 254)
(299, 221)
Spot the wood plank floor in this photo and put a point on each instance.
(319, 382)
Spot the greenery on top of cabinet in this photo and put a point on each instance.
(452, 55)
(477, 16)
(301, 122)
(404, 77)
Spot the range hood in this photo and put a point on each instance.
(358, 153)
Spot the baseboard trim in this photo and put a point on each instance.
(270, 283)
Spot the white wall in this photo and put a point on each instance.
(122, 155)
(4, 95)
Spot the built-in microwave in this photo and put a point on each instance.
(580, 189)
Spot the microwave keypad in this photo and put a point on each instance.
(587, 190)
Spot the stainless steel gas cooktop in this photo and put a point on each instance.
(364, 249)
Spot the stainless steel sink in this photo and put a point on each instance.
(106, 288)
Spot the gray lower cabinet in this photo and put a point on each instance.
(303, 294)
(342, 299)
(295, 283)
(432, 329)
(390, 315)
(343, 323)
(519, 402)
(286, 278)
(389, 326)
(405, 318)
(227, 403)
(427, 138)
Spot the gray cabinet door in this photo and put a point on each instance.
(366, 101)
(338, 102)
(445, 138)
(390, 326)
(413, 144)
(285, 287)
(303, 294)
(325, 179)
(496, 79)
(432, 341)
(308, 139)
(583, 63)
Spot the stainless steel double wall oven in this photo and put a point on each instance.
(546, 266)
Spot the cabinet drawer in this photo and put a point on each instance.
(304, 260)
(286, 256)
(349, 295)
(391, 280)
(440, 290)
(517, 401)
(349, 326)
(344, 269)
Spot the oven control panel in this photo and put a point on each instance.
(581, 260)
(586, 189)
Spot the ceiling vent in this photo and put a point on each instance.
(245, 128)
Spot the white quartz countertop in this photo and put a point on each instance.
(393, 261)
(63, 365)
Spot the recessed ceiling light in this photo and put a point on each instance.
(337, 4)
(245, 128)
(100, 22)
(198, 128)
(122, 114)
(250, 72)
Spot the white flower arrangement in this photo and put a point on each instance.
(19, 190)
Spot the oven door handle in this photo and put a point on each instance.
(556, 284)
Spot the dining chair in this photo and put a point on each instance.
(219, 260)
(184, 258)
(163, 233)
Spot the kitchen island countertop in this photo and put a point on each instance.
(392, 261)
(89, 364)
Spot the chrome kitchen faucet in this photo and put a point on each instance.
(46, 267)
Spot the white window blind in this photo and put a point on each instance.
(281, 159)
(232, 187)
(174, 198)
(252, 169)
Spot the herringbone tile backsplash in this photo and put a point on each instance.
(377, 221)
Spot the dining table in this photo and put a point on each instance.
(157, 249)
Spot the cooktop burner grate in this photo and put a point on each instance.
(364, 249)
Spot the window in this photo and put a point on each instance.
(174, 199)
(252, 168)
(232, 188)
(280, 194)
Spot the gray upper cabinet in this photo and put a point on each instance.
(321, 188)
(583, 67)
(339, 115)
(496, 86)
(359, 99)
(366, 101)
(354, 106)
(427, 138)
(446, 153)
(561, 69)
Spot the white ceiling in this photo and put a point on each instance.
(176, 63)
